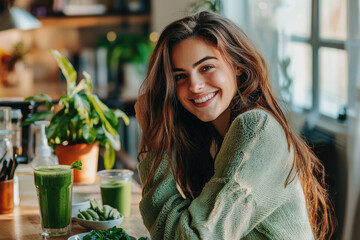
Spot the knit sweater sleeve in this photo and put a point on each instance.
(248, 186)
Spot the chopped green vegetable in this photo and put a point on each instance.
(81, 216)
(87, 215)
(98, 212)
(93, 214)
(107, 210)
(113, 233)
(76, 165)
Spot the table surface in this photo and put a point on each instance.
(24, 222)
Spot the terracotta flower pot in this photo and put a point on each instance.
(86, 153)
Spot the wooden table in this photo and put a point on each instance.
(24, 222)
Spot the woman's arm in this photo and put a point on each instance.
(248, 185)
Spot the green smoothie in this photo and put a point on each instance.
(54, 190)
(118, 195)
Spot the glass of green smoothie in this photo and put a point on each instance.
(115, 187)
(54, 190)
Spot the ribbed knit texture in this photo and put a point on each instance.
(246, 197)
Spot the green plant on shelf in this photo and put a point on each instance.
(82, 117)
(211, 5)
(127, 48)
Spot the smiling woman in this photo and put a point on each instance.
(205, 82)
(218, 158)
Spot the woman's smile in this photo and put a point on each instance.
(204, 100)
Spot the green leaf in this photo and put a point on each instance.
(101, 108)
(111, 117)
(79, 87)
(39, 116)
(113, 139)
(120, 114)
(40, 98)
(89, 133)
(74, 128)
(76, 165)
(67, 70)
(59, 128)
(95, 119)
(83, 108)
(109, 156)
(88, 84)
(109, 131)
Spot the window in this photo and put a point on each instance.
(318, 60)
(307, 38)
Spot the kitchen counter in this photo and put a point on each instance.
(24, 222)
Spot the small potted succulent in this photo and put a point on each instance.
(80, 123)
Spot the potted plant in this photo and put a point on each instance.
(80, 124)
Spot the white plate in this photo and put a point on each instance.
(99, 225)
(81, 235)
(77, 236)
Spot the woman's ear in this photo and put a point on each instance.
(238, 71)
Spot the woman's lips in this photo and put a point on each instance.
(203, 101)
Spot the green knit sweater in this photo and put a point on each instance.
(245, 198)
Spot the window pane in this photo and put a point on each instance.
(302, 18)
(301, 73)
(333, 19)
(333, 81)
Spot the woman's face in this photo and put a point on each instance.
(205, 82)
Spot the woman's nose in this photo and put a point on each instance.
(196, 84)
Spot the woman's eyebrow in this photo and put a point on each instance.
(178, 70)
(195, 64)
(203, 59)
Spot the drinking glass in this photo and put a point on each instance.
(54, 190)
(6, 148)
(115, 187)
(5, 118)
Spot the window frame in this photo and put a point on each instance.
(316, 42)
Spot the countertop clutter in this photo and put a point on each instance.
(24, 221)
(91, 37)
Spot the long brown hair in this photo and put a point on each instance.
(171, 130)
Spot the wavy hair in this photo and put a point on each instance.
(172, 130)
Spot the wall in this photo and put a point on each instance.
(166, 11)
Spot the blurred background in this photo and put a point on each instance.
(312, 48)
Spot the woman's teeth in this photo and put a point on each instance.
(204, 99)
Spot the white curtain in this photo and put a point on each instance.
(352, 44)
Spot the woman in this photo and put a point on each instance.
(218, 158)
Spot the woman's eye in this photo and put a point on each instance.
(179, 77)
(206, 68)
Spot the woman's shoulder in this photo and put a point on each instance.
(256, 115)
(255, 120)
(256, 126)
(255, 142)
